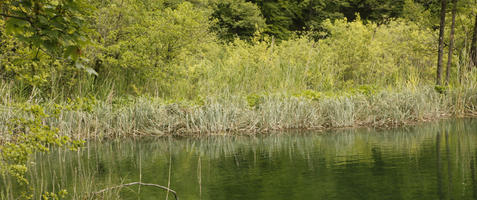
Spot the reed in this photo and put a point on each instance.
(234, 114)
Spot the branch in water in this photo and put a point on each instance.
(138, 183)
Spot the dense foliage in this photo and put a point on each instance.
(185, 49)
(53, 26)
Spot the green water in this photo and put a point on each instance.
(431, 161)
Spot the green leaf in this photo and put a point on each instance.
(72, 52)
(16, 26)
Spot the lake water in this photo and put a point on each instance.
(436, 160)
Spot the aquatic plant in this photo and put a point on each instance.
(28, 134)
(83, 118)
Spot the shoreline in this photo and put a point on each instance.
(318, 130)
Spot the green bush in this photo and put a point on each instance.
(28, 135)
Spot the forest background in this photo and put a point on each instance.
(185, 50)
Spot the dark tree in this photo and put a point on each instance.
(279, 15)
(441, 41)
(237, 18)
(377, 11)
(284, 17)
(473, 48)
(451, 43)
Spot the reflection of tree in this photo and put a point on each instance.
(378, 168)
(449, 172)
(439, 166)
(472, 174)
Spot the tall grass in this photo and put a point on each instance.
(233, 114)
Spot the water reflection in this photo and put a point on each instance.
(472, 174)
(433, 161)
(439, 166)
(449, 167)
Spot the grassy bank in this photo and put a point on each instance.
(87, 118)
(360, 74)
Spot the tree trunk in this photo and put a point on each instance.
(451, 43)
(473, 47)
(441, 41)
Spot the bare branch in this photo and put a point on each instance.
(138, 183)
